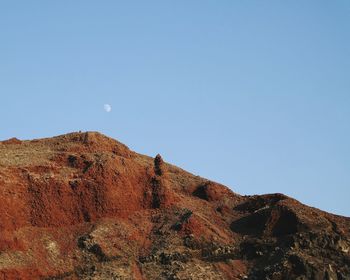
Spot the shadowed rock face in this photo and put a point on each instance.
(83, 206)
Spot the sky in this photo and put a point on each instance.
(251, 94)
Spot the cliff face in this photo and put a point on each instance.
(83, 206)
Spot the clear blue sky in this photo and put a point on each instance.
(252, 94)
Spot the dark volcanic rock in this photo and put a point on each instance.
(83, 206)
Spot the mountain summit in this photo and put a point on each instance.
(84, 206)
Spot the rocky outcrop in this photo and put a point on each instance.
(84, 206)
(162, 195)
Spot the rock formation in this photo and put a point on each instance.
(83, 206)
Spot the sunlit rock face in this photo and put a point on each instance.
(83, 206)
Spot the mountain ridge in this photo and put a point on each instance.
(84, 206)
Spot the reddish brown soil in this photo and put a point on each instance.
(83, 206)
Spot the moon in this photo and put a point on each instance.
(107, 108)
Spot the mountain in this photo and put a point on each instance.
(84, 206)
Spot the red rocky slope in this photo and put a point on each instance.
(83, 206)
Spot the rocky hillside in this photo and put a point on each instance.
(83, 206)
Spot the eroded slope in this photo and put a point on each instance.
(83, 206)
